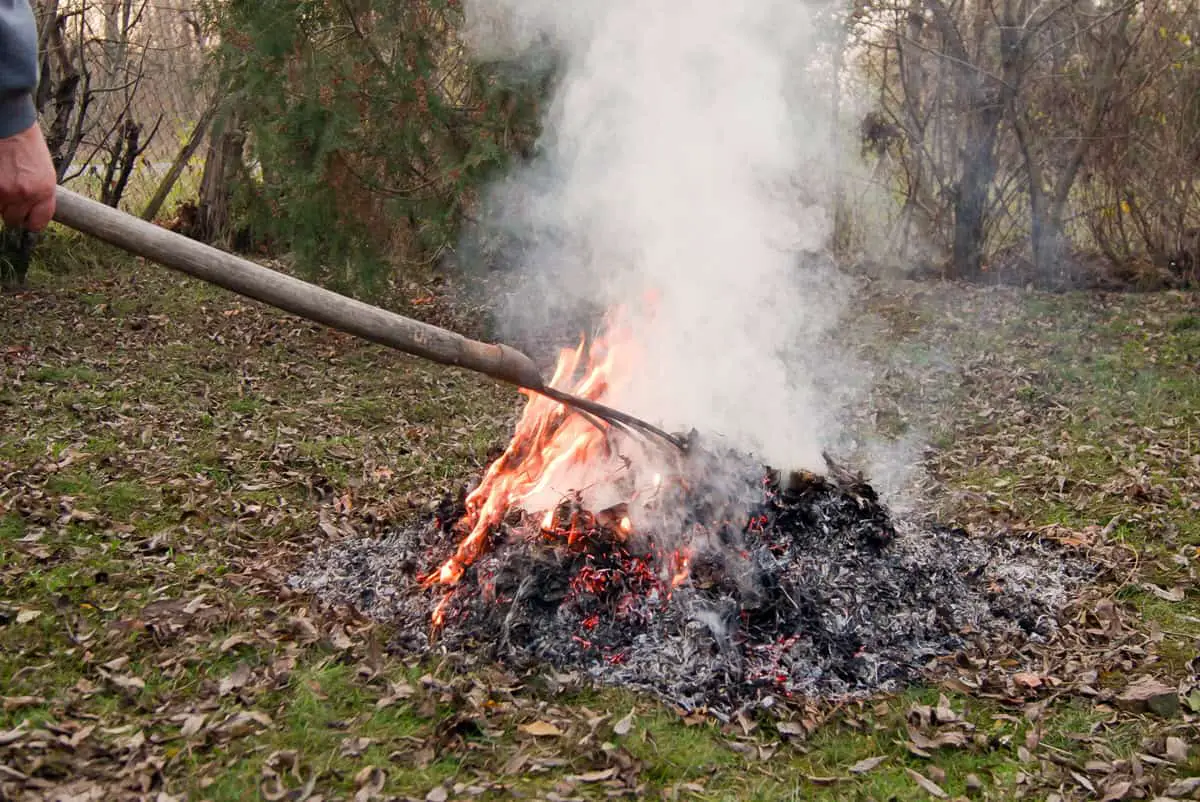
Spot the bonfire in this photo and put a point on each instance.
(702, 576)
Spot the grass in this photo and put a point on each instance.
(170, 450)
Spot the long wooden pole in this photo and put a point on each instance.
(293, 295)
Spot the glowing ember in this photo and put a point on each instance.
(554, 452)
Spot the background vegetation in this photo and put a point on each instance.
(1046, 141)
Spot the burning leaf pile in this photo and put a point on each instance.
(706, 578)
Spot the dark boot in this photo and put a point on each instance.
(16, 252)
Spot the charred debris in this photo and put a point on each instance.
(748, 591)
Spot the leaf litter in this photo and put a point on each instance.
(108, 754)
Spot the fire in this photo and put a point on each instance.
(554, 451)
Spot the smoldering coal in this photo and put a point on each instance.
(819, 592)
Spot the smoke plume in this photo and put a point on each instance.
(680, 172)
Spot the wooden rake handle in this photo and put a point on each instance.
(293, 295)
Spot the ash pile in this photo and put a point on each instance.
(811, 590)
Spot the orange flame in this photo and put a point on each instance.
(552, 449)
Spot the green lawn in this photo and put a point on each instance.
(170, 451)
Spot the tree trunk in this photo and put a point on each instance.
(971, 195)
(181, 159)
(222, 167)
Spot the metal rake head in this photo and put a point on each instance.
(636, 427)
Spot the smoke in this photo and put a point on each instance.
(682, 170)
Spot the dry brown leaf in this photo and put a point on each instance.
(235, 681)
(191, 725)
(816, 780)
(515, 763)
(1147, 694)
(82, 735)
(866, 764)
(1083, 781)
(1182, 788)
(16, 702)
(437, 794)
(594, 776)
(540, 728)
(1176, 750)
(235, 640)
(355, 746)
(929, 785)
(340, 639)
(1119, 789)
(369, 782)
(624, 726)
(1175, 594)
(1027, 680)
(12, 736)
(950, 738)
(25, 615)
(128, 682)
(791, 728)
(943, 713)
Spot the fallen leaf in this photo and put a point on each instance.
(82, 735)
(929, 785)
(127, 682)
(624, 726)
(1027, 680)
(1175, 594)
(1117, 790)
(15, 702)
(340, 639)
(540, 728)
(25, 615)
(1183, 788)
(943, 713)
(1176, 750)
(243, 723)
(354, 747)
(369, 782)
(792, 728)
(1146, 694)
(235, 640)
(438, 794)
(235, 681)
(594, 776)
(866, 764)
(191, 725)
(12, 736)
(1083, 781)
(951, 738)
(815, 780)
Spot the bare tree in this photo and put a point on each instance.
(991, 111)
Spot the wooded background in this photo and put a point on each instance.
(1054, 142)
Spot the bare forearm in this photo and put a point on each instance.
(18, 67)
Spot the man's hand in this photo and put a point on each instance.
(27, 180)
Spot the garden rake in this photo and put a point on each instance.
(315, 303)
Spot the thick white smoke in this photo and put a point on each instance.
(676, 158)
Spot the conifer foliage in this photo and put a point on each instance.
(369, 128)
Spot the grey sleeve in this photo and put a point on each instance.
(18, 67)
